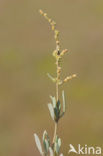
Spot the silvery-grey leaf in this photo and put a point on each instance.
(61, 154)
(51, 151)
(53, 101)
(57, 148)
(51, 110)
(46, 146)
(59, 142)
(44, 134)
(38, 144)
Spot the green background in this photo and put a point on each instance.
(26, 45)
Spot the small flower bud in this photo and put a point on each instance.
(57, 32)
(41, 12)
(74, 75)
(57, 42)
(59, 70)
(69, 77)
(53, 27)
(57, 48)
(64, 52)
(53, 23)
(45, 14)
(54, 53)
(49, 20)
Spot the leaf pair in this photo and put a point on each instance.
(57, 145)
(55, 108)
(46, 142)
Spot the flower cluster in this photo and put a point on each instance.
(57, 53)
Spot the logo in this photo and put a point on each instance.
(85, 150)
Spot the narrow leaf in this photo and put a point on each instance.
(45, 136)
(59, 142)
(51, 110)
(62, 114)
(53, 101)
(57, 148)
(46, 145)
(52, 78)
(46, 141)
(51, 151)
(57, 113)
(38, 144)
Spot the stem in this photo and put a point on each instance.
(57, 97)
(55, 131)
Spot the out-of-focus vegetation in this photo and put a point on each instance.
(25, 57)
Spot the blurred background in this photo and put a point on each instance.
(26, 45)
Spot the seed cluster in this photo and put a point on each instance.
(57, 53)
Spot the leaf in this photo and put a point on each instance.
(45, 136)
(62, 114)
(56, 112)
(46, 141)
(38, 144)
(57, 148)
(63, 101)
(59, 104)
(52, 78)
(53, 101)
(59, 142)
(61, 154)
(51, 110)
(46, 146)
(51, 151)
